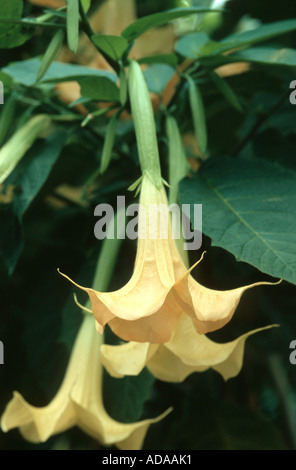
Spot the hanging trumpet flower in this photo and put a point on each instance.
(161, 289)
(79, 401)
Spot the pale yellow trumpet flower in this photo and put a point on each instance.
(79, 402)
(161, 289)
(187, 352)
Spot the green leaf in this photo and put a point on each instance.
(73, 24)
(85, 5)
(157, 76)
(51, 52)
(227, 91)
(249, 210)
(263, 33)
(11, 9)
(167, 59)
(266, 55)
(191, 45)
(6, 80)
(6, 117)
(99, 89)
(198, 45)
(141, 25)
(32, 172)
(25, 72)
(112, 46)
(108, 144)
(12, 35)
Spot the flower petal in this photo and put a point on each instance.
(147, 307)
(108, 431)
(79, 401)
(37, 424)
(136, 322)
(209, 309)
(126, 359)
(189, 352)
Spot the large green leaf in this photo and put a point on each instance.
(157, 19)
(249, 208)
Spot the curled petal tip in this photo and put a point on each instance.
(85, 309)
(190, 269)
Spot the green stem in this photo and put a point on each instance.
(108, 255)
(87, 29)
(31, 22)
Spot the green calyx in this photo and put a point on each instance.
(144, 123)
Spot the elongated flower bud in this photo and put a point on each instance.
(143, 117)
(16, 147)
(198, 115)
(178, 165)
